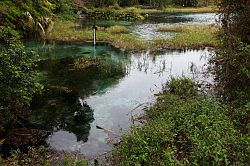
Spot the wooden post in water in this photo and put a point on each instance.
(94, 34)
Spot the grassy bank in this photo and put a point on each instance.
(184, 127)
(191, 36)
(209, 9)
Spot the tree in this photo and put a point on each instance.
(232, 62)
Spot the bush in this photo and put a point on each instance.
(18, 77)
(182, 86)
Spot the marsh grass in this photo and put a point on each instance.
(172, 9)
(191, 36)
(117, 29)
(208, 9)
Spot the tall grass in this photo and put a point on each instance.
(191, 36)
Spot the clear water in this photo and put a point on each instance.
(126, 81)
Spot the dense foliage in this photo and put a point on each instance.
(24, 16)
(232, 62)
(18, 77)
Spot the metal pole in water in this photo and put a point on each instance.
(94, 34)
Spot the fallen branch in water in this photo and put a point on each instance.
(115, 138)
(130, 112)
(107, 130)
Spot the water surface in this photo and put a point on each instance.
(105, 93)
(148, 30)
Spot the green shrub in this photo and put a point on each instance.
(18, 77)
(182, 86)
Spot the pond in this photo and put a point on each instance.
(147, 30)
(105, 85)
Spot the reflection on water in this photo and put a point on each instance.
(105, 93)
(68, 79)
